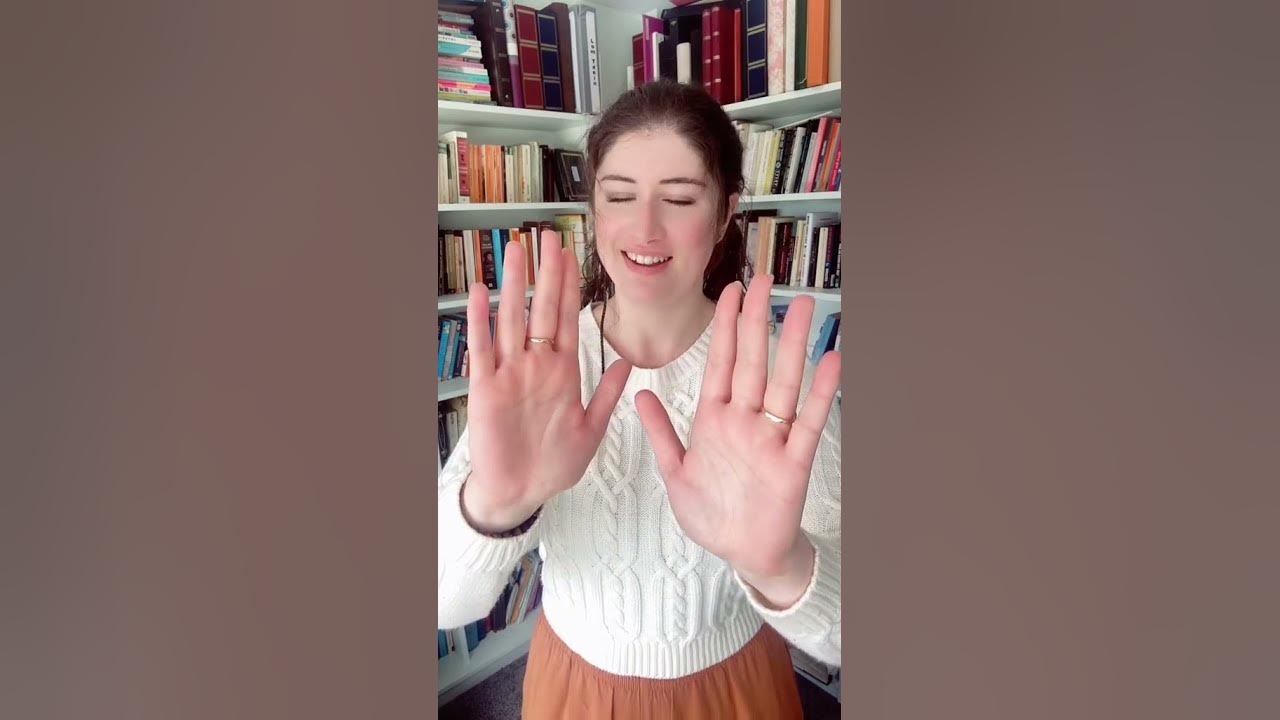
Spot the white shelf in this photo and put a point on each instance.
(495, 116)
(787, 105)
(493, 653)
(449, 389)
(521, 207)
(811, 202)
(832, 295)
(457, 302)
(461, 216)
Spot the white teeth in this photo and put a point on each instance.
(646, 259)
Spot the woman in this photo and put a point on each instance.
(688, 516)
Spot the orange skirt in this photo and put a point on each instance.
(758, 681)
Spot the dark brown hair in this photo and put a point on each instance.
(690, 112)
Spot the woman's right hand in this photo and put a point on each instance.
(530, 437)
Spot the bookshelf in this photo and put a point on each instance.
(616, 22)
(782, 108)
(463, 670)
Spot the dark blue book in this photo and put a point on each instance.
(756, 49)
(549, 51)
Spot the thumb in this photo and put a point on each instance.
(667, 447)
(605, 399)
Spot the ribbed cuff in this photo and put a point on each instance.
(472, 549)
(818, 608)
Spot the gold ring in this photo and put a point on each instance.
(776, 419)
(541, 340)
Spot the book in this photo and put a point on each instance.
(817, 38)
(553, 91)
(564, 53)
(755, 50)
(530, 57)
(776, 45)
(492, 33)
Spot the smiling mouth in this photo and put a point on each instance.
(646, 260)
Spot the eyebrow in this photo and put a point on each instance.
(664, 181)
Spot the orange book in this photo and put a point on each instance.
(828, 162)
(817, 38)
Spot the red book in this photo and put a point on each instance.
(637, 59)
(819, 140)
(530, 59)
(706, 52)
(736, 55)
(717, 59)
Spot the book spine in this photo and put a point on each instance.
(828, 158)
(593, 57)
(637, 60)
(717, 54)
(575, 53)
(706, 52)
(817, 38)
(530, 58)
(755, 49)
(789, 59)
(513, 52)
(802, 43)
(737, 55)
(493, 50)
(776, 29)
(549, 56)
(568, 89)
(824, 130)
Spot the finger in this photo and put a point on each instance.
(782, 393)
(570, 301)
(667, 448)
(511, 325)
(751, 366)
(805, 434)
(612, 383)
(717, 378)
(479, 346)
(543, 318)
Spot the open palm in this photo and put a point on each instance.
(530, 436)
(739, 489)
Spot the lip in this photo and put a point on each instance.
(646, 270)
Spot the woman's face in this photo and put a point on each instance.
(656, 217)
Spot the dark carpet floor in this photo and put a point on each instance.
(498, 698)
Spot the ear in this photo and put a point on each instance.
(729, 213)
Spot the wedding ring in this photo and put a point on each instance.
(775, 419)
(547, 341)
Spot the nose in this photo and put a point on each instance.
(649, 222)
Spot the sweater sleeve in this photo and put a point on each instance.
(471, 568)
(812, 624)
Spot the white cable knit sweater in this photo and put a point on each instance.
(623, 586)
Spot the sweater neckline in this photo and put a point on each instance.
(692, 360)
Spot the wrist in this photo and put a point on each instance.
(781, 586)
(504, 522)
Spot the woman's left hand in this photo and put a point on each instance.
(739, 489)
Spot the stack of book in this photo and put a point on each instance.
(537, 59)
(521, 596)
(740, 49)
(462, 75)
(467, 172)
(452, 417)
(800, 252)
(476, 255)
(798, 158)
